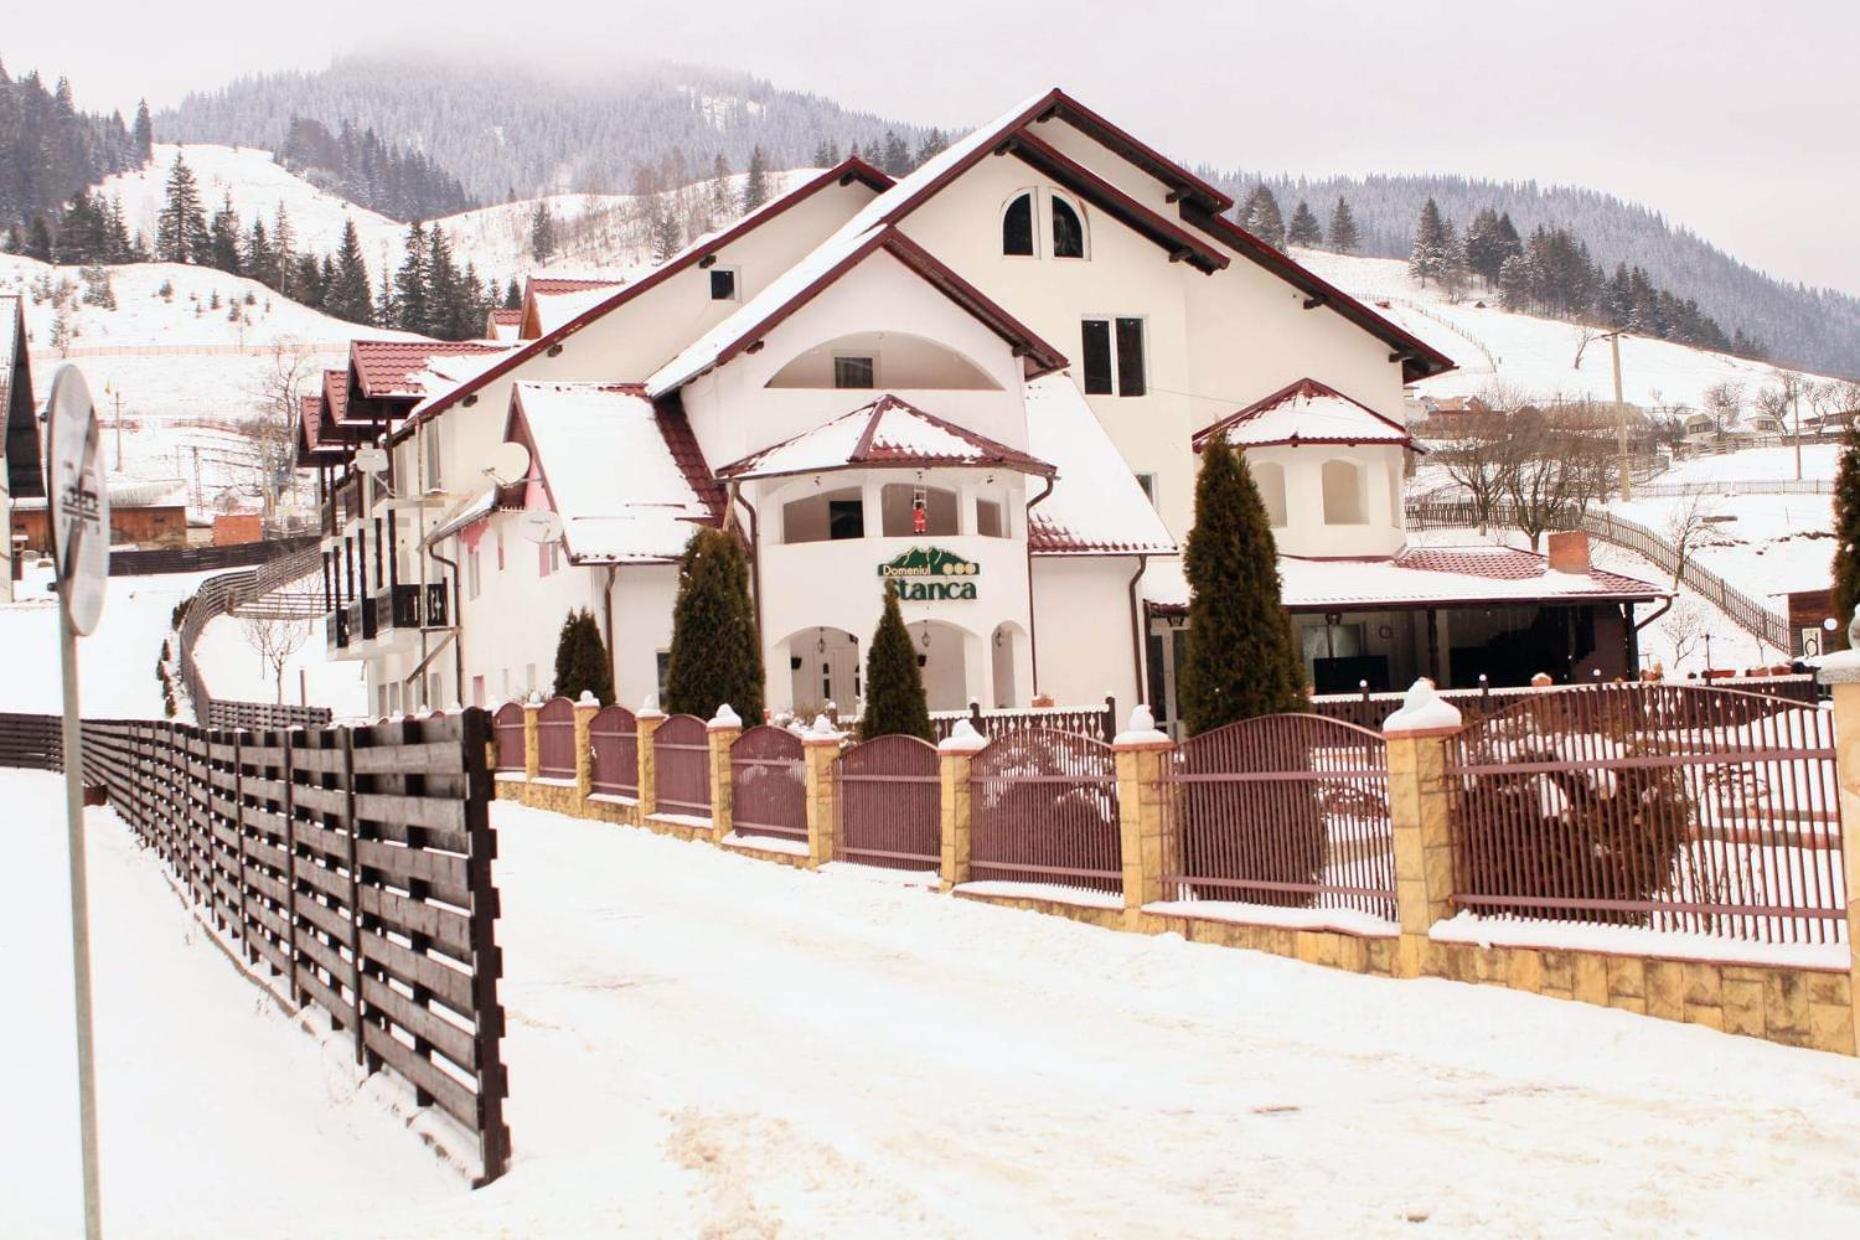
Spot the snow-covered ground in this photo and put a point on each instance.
(702, 1044)
(234, 670)
(116, 664)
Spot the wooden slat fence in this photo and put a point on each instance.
(1371, 710)
(351, 868)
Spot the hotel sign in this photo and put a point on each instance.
(930, 574)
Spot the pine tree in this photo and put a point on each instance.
(283, 250)
(894, 685)
(897, 157)
(412, 284)
(719, 190)
(821, 155)
(261, 263)
(1514, 283)
(39, 240)
(581, 660)
(934, 143)
(348, 295)
(223, 236)
(1847, 530)
(542, 232)
(513, 295)
(1429, 259)
(716, 657)
(1486, 250)
(1343, 235)
(1304, 228)
(1241, 659)
(756, 184)
(665, 235)
(1259, 215)
(448, 298)
(181, 228)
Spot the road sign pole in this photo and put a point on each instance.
(80, 926)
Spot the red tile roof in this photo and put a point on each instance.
(1309, 390)
(550, 286)
(1505, 564)
(507, 318)
(891, 433)
(387, 368)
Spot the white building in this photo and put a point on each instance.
(23, 478)
(986, 380)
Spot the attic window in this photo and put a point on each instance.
(722, 284)
(852, 372)
(1017, 226)
(1068, 230)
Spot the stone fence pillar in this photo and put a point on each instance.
(722, 730)
(1423, 842)
(532, 753)
(820, 755)
(1144, 820)
(585, 710)
(1841, 672)
(647, 718)
(955, 755)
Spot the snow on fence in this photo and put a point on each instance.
(1369, 710)
(350, 867)
(218, 596)
(681, 759)
(890, 804)
(768, 784)
(1285, 810)
(1098, 721)
(1043, 806)
(1675, 807)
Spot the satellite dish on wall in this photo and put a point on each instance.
(371, 460)
(508, 464)
(539, 525)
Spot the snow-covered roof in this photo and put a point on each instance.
(623, 475)
(403, 368)
(1305, 412)
(833, 258)
(1421, 576)
(884, 432)
(1096, 506)
(472, 510)
(131, 493)
(555, 300)
(445, 372)
(502, 325)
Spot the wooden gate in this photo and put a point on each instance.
(681, 757)
(890, 804)
(1043, 806)
(1286, 810)
(768, 784)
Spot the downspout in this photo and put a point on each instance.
(755, 555)
(1033, 632)
(1136, 629)
(458, 627)
(607, 615)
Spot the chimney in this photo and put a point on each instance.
(1569, 551)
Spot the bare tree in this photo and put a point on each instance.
(1685, 522)
(275, 639)
(1557, 471)
(1684, 626)
(1724, 404)
(1586, 335)
(286, 377)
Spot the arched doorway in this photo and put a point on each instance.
(825, 665)
(1008, 651)
(943, 659)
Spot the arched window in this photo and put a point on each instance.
(1343, 493)
(1068, 230)
(1269, 477)
(1017, 226)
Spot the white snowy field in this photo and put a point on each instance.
(116, 665)
(234, 669)
(702, 1044)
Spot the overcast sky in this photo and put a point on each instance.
(1737, 120)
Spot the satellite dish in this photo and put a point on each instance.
(539, 525)
(508, 464)
(371, 460)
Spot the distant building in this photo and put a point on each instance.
(145, 515)
(23, 479)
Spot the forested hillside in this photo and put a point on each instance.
(356, 164)
(49, 150)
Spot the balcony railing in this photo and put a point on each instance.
(410, 607)
(336, 629)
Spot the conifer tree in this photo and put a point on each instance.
(1847, 530)
(897, 157)
(1260, 215)
(581, 660)
(820, 155)
(412, 283)
(1343, 235)
(895, 704)
(348, 295)
(665, 235)
(934, 143)
(542, 232)
(716, 657)
(756, 184)
(38, 240)
(1430, 257)
(448, 298)
(260, 262)
(1304, 229)
(181, 228)
(283, 249)
(719, 190)
(223, 235)
(513, 295)
(143, 135)
(1241, 660)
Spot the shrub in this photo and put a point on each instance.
(581, 660)
(716, 656)
(894, 685)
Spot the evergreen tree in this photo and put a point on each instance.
(513, 295)
(1431, 258)
(1485, 247)
(223, 239)
(715, 657)
(260, 262)
(1343, 235)
(181, 228)
(308, 284)
(347, 296)
(581, 660)
(934, 143)
(412, 284)
(821, 153)
(1304, 228)
(1514, 283)
(894, 684)
(1847, 530)
(39, 239)
(143, 135)
(387, 310)
(756, 184)
(448, 297)
(542, 232)
(719, 202)
(1259, 215)
(897, 157)
(665, 235)
(1242, 660)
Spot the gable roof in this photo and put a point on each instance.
(1095, 506)
(804, 281)
(624, 474)
(394, 369)
(1200, 206)
(549, 301)
(25, 475)
(844, 173)
(884, 433)
(1305, 411)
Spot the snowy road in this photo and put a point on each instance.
(705, 1045)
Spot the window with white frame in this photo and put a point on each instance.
(1068, 228)
(854, 372)
(1017, 240)
(1112, 353)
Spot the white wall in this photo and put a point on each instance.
(1306, 532)
(1083, 634)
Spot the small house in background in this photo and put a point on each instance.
(23, 479)
(145, 515)
(232, 528)
(501, 325)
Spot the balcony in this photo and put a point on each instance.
(336, 630)
(407, 608)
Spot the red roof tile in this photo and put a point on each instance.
(386, 368)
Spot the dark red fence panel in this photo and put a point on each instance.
(1284, 810)
(555, 739)
(507, 729)
(1043, 809)
(613, 735)
(1675, 807)
(890, 804)
(1095, 720)
(768, 784)
(681, 753)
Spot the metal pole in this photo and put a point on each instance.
(1795, 395)
(80, 924)
(1614, 349)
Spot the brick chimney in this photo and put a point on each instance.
(1569, 551)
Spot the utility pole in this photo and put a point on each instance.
(1795, 398)
(1614, 350)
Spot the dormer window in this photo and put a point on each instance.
(1068, 230)
(1017, 227)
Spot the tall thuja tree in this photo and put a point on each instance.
(1847, 530)
(581, 660)
(1242, 661)
(895, 704)
(716, 657)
